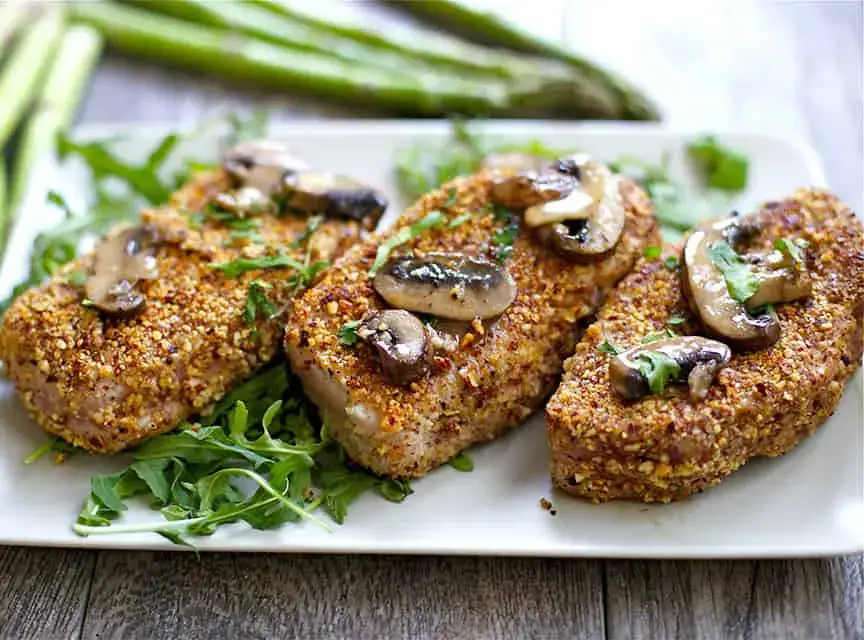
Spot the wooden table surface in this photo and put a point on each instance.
(792, 68)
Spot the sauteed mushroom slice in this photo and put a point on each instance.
(402, 341)
(120, 261)
(588, 223)
(526, 189)
(245, 200)
(647, 368)
(332, 195)
(260, 164)
(446, 285)
(708, 294)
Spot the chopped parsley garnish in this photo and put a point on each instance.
(674, 321)
(671, 263)
(77, 278)
(722, 168)
(257, 301)
(658, 369)
(238, 267)
(503, 241)
(348, 333)
(792, 249)
(741, 282)
(462, 463)
(658, 335)
(653, 252)
(459, 220)
(608, 347)
(432, 220)
(451, 198)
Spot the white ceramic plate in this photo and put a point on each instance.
(810, 502)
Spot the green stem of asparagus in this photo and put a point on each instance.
(12, 14)
(488, 28)
(236, 56)
(60, 96)
(24, 68)
(415, 44)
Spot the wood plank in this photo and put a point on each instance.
(43, 593)
(791, 599)
(236, 595)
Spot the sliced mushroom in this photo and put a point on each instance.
(521, 190)
(698, 359)
(260, 164)
(514, 162)
(781, 279)
(708, 295)
(403, 343)
(120, 261)
(245, 201)
(332, 195)
(589, 222)
(446, 285)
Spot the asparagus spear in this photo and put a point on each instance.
(24, 68)
(422, 45)
(12, 14)
(225, 52)
(488, 28)
(60, 96)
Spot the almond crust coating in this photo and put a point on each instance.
(501, 371)
(106, 384)
(763, 403)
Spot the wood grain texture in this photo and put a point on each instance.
(141, 595)
(43, 592)
(793, 599)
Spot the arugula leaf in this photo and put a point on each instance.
(395, 490)
(462, 462)
(348, 333)
(432, 220)
(671, 263)
(459, 220)
(741, 282)
(503, 240)
(142, 180)
(152, 472)
(674, 321)
(238, 267)
(658, 335)
(104, 489)
(658, 369)
(723, 168)
(311, 227)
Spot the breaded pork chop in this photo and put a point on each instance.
(105, 383)
(494, 373)
(762, 403)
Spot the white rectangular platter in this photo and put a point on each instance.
(807, 503)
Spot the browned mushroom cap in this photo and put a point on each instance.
(782, 278)
(446, 285)
(120, 261)
(403, 344)
(588, 223)
(705, 288)
(260, 164)
(245, 201)
(332, 195)
(698, 360)
(521, 190)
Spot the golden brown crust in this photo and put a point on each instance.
(763, 403)
(106, 384)
(500, 373)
